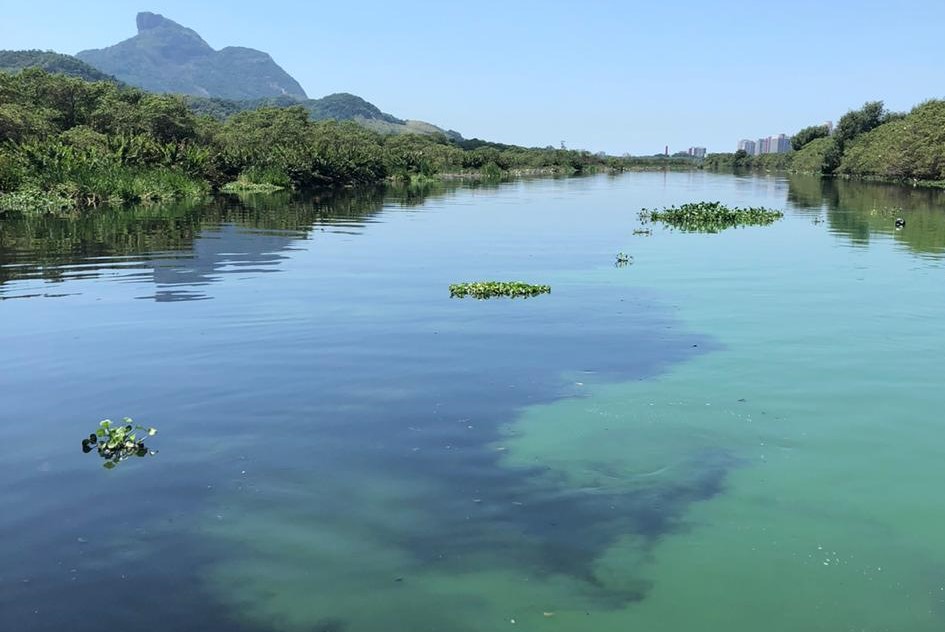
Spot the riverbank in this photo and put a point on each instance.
(74, 144)
(871, 143)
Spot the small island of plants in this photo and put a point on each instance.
(710, 217)
(117, 442)
(491, 289)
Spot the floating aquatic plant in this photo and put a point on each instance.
(710, 217)
(490, 289)
(117, 442)
(623, 259)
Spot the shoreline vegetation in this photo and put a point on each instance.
(870, 143)
(67, 144)
(70, 144)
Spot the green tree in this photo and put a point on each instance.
(808, 134)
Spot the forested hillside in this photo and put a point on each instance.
(870, 142)
(68, 143)
(56, 63)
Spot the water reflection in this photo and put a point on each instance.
(181, 249)
(860, 210)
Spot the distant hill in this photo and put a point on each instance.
(167, 57)
(341, 107)
(54, 63)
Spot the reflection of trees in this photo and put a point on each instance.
(860, 209)
(245, 231)
(807, 192)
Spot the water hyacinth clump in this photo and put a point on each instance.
(117, 442)
(710, 217)
(490, 289)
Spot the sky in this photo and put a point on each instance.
(603, 75)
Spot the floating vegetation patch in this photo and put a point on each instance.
(492, 289)
(710, 217)
(623, 259)
(117, 442)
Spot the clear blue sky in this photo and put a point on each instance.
(617, 76)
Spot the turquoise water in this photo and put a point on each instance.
(736, 432)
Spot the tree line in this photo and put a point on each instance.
(66, 142)
(869, 141)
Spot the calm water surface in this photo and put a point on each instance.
(738, 432)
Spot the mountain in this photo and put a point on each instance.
(167, 57)
(54, 63)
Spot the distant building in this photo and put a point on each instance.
(697, 152)
(771, 145)
(747, 146)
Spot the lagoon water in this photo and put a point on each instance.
(737, 432)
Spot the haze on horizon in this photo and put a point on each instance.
(600, 75)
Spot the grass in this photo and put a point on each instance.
(84, 186)
(33, 201)
(710, 217)
(491, 289)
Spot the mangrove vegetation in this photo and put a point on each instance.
(869, 142)
(67, 143)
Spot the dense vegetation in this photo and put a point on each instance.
(55, 63)
(912, 146)
(67, 143)
(870, 141)
(710, 217)
(809, 134)
(167, 57)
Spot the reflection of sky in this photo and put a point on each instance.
(225, 249)
(180, 275)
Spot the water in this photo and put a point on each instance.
(737, 432)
